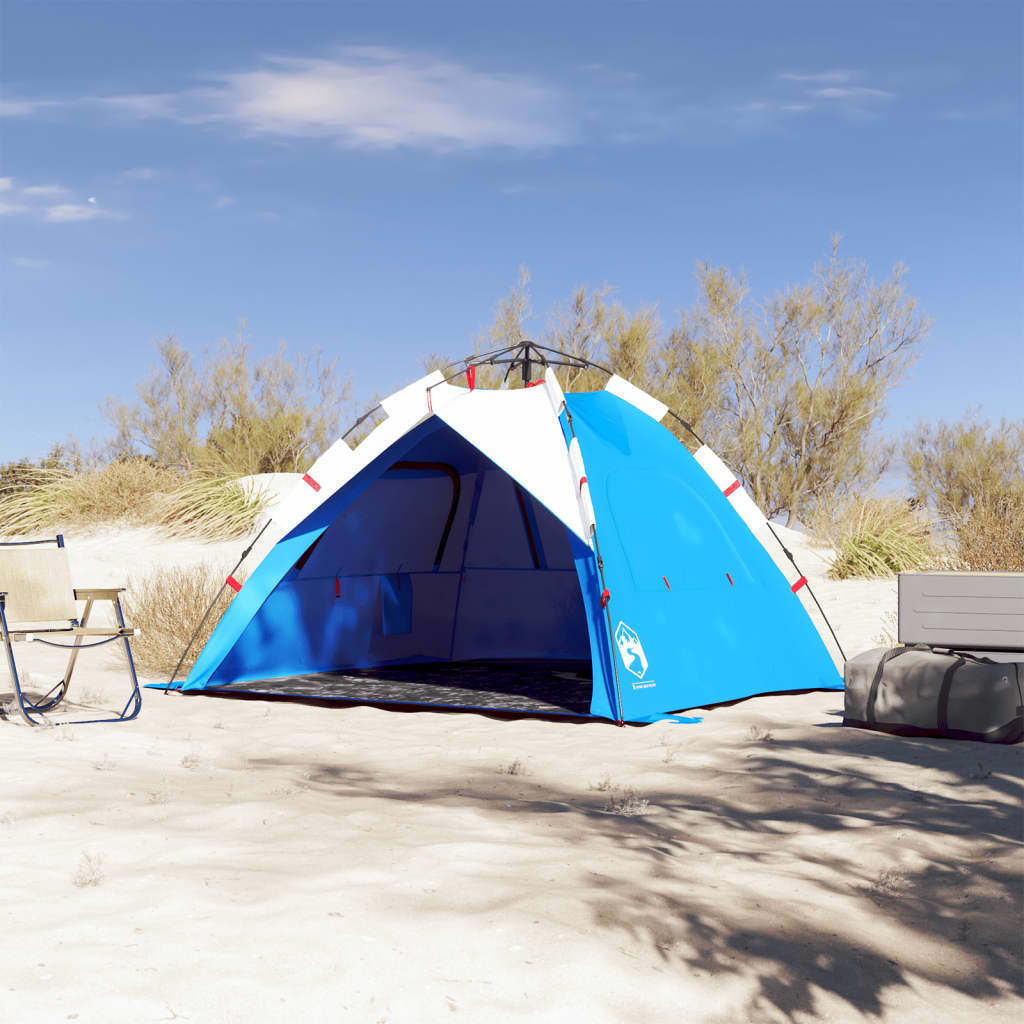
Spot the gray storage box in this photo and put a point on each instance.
(973, 611)
(913, 691)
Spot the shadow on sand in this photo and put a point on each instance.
(813, 814)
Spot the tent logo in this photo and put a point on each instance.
(631, 650)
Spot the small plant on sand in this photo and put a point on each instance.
(603, 785)
(877, 537)
(626, 802)
(190, 760)
(889, 884)
(758, 735)
(890, 627)
(515, 767)
(89, 872)
(167, 606)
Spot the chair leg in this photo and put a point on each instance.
(28, 708)
(135, 699)
(25, 706)
(65, 683)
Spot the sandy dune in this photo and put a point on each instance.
(240, 861)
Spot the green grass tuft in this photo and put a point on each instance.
(878, 537)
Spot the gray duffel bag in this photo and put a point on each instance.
(916, 691)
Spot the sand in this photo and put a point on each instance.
(229, 861)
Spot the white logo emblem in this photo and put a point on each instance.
(631, 650)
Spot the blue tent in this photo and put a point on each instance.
(522, 526)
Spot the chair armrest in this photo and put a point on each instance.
(98, 593)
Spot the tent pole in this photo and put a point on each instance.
(814, 597)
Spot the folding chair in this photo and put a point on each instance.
(37, 604)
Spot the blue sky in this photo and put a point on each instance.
(369, 177)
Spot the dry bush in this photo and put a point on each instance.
(957, 466)
(89, 872)
(626, 802)
(167, 606)
(877, 537)
(990, 538)
(126, 491)
(231, 413)
(789, 390)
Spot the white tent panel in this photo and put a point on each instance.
(631, 393)
(519, 432)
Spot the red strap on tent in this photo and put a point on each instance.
(307, 479)
(471, 377)
(732, 487)
(430, 404)
(583, 480)
(534, 383)
(667, 587)
(802, 582)
(233, 584)
(729, 578)
(337, 587)
(606, 596)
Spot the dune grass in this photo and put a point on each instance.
(214, 507)
(167, 606)
(878, 537)
(132, 492)
(128, 491)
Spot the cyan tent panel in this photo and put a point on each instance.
(699, 613)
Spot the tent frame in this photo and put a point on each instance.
(523, 356)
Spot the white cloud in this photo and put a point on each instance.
(139, 174)
(29, 263)
(25, 108)
(851, 92)
(38, 202)
(836, 76)
(44, 191)
(68, 213)
(221, 202)
(367, 97)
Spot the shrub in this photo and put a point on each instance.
(127, 490)
(957, 466)
(990, 538)
(880, 537)
(167, 606)
(230, 412)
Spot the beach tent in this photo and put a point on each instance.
(526, 526)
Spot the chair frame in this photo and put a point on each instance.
(33, 711)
